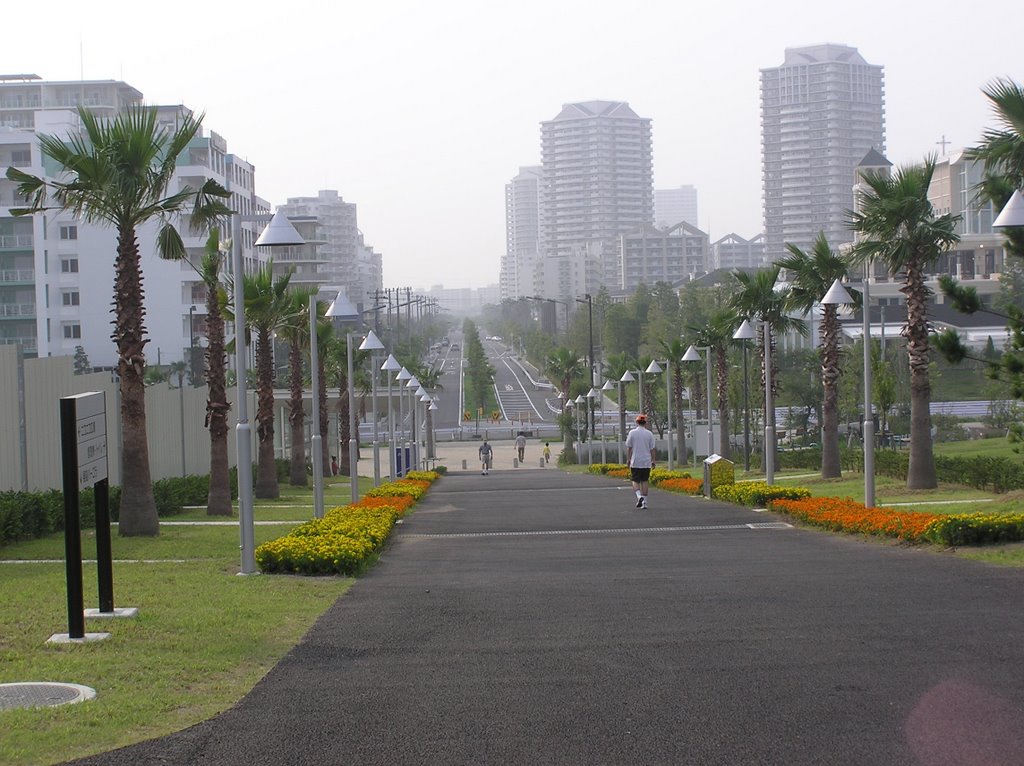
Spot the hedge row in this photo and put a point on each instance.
(26, 515)
(995, 474)
(347, 537)
(756, 494)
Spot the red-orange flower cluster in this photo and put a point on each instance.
(848, 516)
(401, 503)
(686, 486)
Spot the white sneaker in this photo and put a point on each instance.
(644, 505)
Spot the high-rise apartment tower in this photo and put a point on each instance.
(821, 111)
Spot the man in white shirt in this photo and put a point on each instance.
(521, 446)
(640, 457)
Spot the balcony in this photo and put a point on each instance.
(16, 241)
(18, 276)
(17, 310)
(29, 344)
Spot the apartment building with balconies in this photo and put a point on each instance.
(821, 111)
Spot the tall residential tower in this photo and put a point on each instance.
(821, 111)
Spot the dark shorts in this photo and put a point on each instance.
(639, 474)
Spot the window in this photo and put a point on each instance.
(72, 331)
(69, 298)
(21, 158)
(68, 231)
(68, 265)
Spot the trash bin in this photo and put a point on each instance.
(717, 471)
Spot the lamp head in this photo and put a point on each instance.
(627, 377)
(371, 343)
(692, 354)
(837, 295)
(653, 368)
(745, 331)
(1012, 213)
(279, 232)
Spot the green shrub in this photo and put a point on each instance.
(567, 456)
(976, 529)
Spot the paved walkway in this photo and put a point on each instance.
(536, 617)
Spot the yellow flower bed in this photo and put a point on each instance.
(346, 537)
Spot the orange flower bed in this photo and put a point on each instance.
(686, 486)
(619, 473)
(401, 503)
(845, 515)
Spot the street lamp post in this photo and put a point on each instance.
(278, 232)
(591, 395)
(316, 447)
(744, 333)
(627, 377)
(692, 355)
(402, 464)
(655, 369)
(390, 366)
(372, 344)
(580, 401)
(608, 386)
(341, 309)
(410, 386)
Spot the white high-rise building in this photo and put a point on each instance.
(57, 273)
(523, 243)
(672, 206)
(597, 162)
(335, 253)
(821, 111)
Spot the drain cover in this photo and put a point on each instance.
(42, 694)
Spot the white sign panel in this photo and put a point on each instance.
(91, 438)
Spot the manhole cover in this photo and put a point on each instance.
(42, 694)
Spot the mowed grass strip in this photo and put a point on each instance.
(203, 638)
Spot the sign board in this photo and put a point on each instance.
(90, 437)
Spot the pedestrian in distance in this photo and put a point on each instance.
(640, 457)
(521, 446)
(547, 452)
(485, 458)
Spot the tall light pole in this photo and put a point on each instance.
(410, 386)
(769, 407)
(627, 377)
(692, 355)
(744, 333)
(316, 447)
(654, 369)
(278, 232)
(372, 344)
(402, 465)
(342, 310)
(591, 396)
(608, 386)
(389, 368)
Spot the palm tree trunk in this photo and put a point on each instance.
(138, 514)
(266, 468)
(343, 418)
(296, 418)
(677, 393)
(921, 470)
(218, 499)
(325, 452)
(722, 375)
(831, 467)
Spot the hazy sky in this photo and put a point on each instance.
(420, 112)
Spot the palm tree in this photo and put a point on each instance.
(565, 366)
(811, 275)
(430, 378)
(295, 332)
(120, 170)
(897, 226)
(717, 335)
(268, 306)
(218, 499)
(674, 351)
(757, 297)
(335, 355)
(1002, 149)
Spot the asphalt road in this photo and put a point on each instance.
(538, 618)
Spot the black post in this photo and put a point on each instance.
(746, 413)
(104, 557)
(72, 519)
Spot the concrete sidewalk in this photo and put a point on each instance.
(537, 617)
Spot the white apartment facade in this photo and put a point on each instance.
(675, 205)
(821, 111)
(735, 252)
(523, 236)
(673, 254)
(597, 161)
(57, 273)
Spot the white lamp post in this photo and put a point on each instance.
(372, 344)
(425, 400)
(343, 310)
(668, 409)
(278, 232)
(402, 465)
(390, 366)
(410, 387)
(692, 355)
(569, 405)
(627, 377)
(608, 386)
(744, 333)
(655, 369)
(581, 400)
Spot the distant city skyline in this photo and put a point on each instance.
(421, 114)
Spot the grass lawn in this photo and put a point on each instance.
(183, 660)
(997, 447)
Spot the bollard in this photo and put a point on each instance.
(463, 465)
(515, 462)
(542, 462)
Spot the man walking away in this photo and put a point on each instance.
(485, 458)
(640, 459)
(521, 446)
